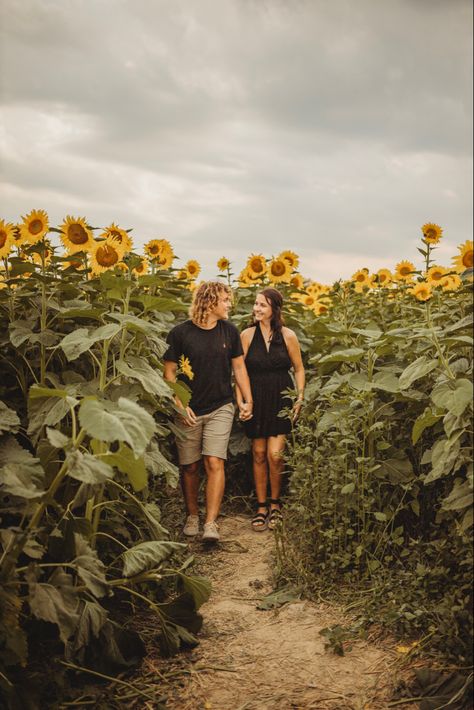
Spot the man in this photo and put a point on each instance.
(208, 349)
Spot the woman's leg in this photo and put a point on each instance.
(260, 477)
(275, 447)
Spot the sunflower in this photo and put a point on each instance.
(182, 274)
(192, 269)
(451, 282)
(314, 288)
(292, 258)
(73, 262)
(48, 252)
(7, 237)
(431, 233)
(119, 235)
(421, 291)
(308, 300)
(404, 271)
(384, 277)
(320, 308)
(76, 235)
(297, 281)
(223, 263)
(104, 255)
(185, 367)
(160, 253)
(435, 274)
(141, 268)
(2, 281)
(122, 266)
(361, 280)
(279, 271)
(34, 227)
(464, 260)
(256, 266)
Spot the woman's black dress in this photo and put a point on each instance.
(269, 376)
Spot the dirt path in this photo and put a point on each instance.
(272, 660)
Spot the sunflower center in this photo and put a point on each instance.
(256, 265)
(405, 271)
(77, 234)
(3, 238)
(360, 278)
(106, 256)
(467, 259)
(436, 275)
(154, 249)
(192, 269)
(35, 226)
(431, 233)
(278, 269)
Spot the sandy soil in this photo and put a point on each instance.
(260, 660)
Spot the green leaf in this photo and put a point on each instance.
(453, 396)
(56, 602)
(419, 368)
(57, 438)
(147, 555)
(198, 587)
(91, 620)
(151, 379)
(158, 465)
(36, 391)
(88, 469)
(396, 470)
(20, 331)
(89, 567)
(152, 514)
(9, 420)
(380, 516)
(425, 420)
(20, 472)
(443, 458)
(348, 488)
(81, 340)
(278, 598)
(181, 390)
(386, 381)
(348, 355)
(460, 496)
(117, 421)
(124, 459)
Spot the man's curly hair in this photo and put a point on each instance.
(205, 299)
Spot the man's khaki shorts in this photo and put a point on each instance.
(208, 437)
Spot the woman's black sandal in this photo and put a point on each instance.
(260, 520)
(275, 514)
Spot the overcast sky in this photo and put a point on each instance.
(334, 128)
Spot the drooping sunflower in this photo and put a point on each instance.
(435, 274)
(464, 260)
(76, 235)
(421, 291)
(404, 271)
(192, 268)
(7, 237)
(431, 233)
(160, 253)
(256, 266)
(223, 263)
(34, 227)
(297, 281)
(182, 274)
(104, 255)
(120, 235)
(48, 252)
(384, 277)
(279, 271)
(451, 282)
(122, 266)
(361, 279)
(142, 268)
(292, 258)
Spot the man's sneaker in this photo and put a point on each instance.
(191, 527)
(211, 532)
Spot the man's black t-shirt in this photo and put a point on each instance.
(210, 354)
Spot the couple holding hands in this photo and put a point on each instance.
(260, 358)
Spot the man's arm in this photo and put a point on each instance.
(169, 374)
(243, 383)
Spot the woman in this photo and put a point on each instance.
(270, 351)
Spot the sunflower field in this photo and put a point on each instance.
(380, 464)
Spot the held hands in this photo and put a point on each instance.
(245, 411)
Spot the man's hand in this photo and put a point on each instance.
(188, 417)
(245, 411)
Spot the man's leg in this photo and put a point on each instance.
(216, 432)
(214, 486)
(190, 487)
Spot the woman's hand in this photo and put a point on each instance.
(245, 411)
(296, 410)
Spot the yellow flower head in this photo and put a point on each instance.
(256, 266)
(297, 281)
(431, 233)
(279, 271)
(182, 274)
(34, 227)
(384, 277)
(185, 367)
(292, 258)
(435, 274)
(141, 268)
(105, 255)
(421, 291)
(321, 308)
(7, 237)
(76, 235)
(308, 300)
(464, 260)
(192, 269)
(361, 280)
(223, 263)
(122, 266)
(451, 282)
(314, 288)
(404, 271)
(160, 253)
(2, 281)
(119, 235)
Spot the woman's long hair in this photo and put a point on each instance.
(275, 299)
(205, 299)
